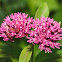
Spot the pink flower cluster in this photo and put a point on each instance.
(44, 32)
(15, 26)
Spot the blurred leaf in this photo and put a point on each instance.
(14, 6)
(58, 16)
(25, 54)
(14, 60)
(42, 11)
(59, 60)
(22, 43)
(2, 55)
(34, 4)
(1, 44)
(2, 15)
(1, 50)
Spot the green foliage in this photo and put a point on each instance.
(25, 54)
(42, 11)
(11, 50)
(34, 4)
(1, 50)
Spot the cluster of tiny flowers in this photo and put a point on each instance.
(44, 32)
(15, 26)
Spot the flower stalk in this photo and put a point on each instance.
(32, 49)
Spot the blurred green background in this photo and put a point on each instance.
(10, 51)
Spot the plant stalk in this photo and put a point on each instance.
(32, 53)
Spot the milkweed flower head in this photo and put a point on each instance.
(15, 26)
(44, 32)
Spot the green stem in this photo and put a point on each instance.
(32, 53)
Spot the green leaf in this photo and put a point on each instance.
(13, 59)
(34, 4)
(25, 54)
(42, 11)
